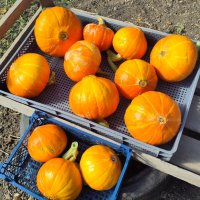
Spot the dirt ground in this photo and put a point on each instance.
(172, 16)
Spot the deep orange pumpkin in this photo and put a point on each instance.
(174, 57)
(130, 42)
(56, 29)
(82, 59)
(94, 98)
(153, 117)
(134, 77)
(99, 34)
(100, 167)
(28, 75)
(46, 142)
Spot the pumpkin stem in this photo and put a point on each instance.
(114, 57)
(143, 83)
(63, 36)
(103, 122)
(198, 45)
(101, 72)
(52, 78)
(111, 64)
(72, 153)
(101, 21)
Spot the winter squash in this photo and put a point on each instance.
(82, 59)
(60, 178)
(134, 77)
(129, 43)
(28, 75)
(99, 34)
(46, 142)
(153, 117)
(174, 57)
(100, 167)
(56, 29)
(94, 98)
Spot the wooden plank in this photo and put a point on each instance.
(47, 3)
(13, 13)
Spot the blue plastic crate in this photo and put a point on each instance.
(20, 169)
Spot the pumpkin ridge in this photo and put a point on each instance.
(58, 22)
(138, 44)
(142, 77)
(182, 42)
(151, 105)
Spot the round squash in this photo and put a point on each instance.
(100, 167)
(28, 75)
(99, 34)
(46, 142)
(82, 59)
(56, 29)
(94, 98)
(174, 57)
(130, 42)
(153, 117)
(134, 77)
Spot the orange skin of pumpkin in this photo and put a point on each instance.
(153, 117)
(174, 57)
(130, 42)
(28, 75)
(59, 179)
(134, 77)
(94, 98)
(82, 59)
(46, 142)
(98, 34)
(100, 167)
(56, 29)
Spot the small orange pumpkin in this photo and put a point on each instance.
(46, 142)
(130, 43)
(56, 29)
(28, 75)
(94, 98)
(99, 34)
(153, 117)
(134, 77)
(100, 167)
(174, 57)
(82, 59)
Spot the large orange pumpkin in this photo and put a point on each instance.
(46, 142)
(129, 43)
(82, 59)
(94, 98)
(56, 29)
(60, 178)
(153, 117)
(174, 57)
(28, 75)
(100, 167)
(99, 34)
(134, 77)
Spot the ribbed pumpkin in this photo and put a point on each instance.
(82, 59)
(134, 77)
(28, 75)
(174, 57)
(60, 178)
(100, 167)
(46, 142)
(99, 34)
(153, 117)
(94, 98)
(56, 29)
(130, 42)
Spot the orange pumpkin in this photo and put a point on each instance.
(94, 98)
(130, 42)
(82, 59)
(100, 167)
(134, 77)
(60, 178)
(153, 118)
(46, 142)
(99, 34)
(174, 57)
(28, 75)
(56, 29)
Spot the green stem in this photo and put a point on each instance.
(111, 64)
(198, 45)
(101, 21)
(114, 57)
(101, 72)
(72, 153)
(103, 122)
(52, 78)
